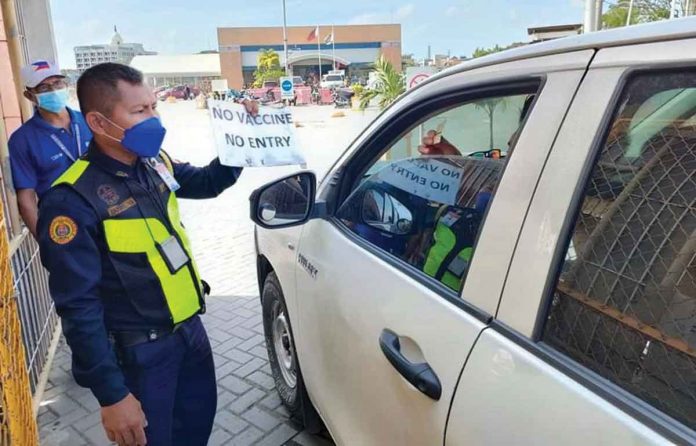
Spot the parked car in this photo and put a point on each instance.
(179, 92)
(332, 81)
(297, 81)
(270, 84)
(532, 281)
(160, 89)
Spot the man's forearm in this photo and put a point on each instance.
(204, 182)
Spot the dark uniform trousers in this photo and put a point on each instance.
(173, 377)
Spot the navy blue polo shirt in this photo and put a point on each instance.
(36, 159)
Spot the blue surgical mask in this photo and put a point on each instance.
(53, 101)
(144, 138)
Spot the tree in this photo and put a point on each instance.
(268, 67)
(644, 11)
(489, 106)
(480, 52)
(389, 85)
(268, 59)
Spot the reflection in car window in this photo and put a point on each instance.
(427, 210)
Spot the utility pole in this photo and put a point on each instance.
(590, 24)
(630, 13)
(673, 9)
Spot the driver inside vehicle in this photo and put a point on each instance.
(449, 243)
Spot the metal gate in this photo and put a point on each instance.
(15, 404)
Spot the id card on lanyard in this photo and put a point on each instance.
(163, 173)
(61, 146)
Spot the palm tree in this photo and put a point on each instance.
(390, 85)
(268, 60)
(268, 67)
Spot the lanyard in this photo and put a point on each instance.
(64, 149)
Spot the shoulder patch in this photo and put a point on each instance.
(62, 230)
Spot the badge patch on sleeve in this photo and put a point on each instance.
(62, 230)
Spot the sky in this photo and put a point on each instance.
(186, 26)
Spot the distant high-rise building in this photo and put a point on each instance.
(116, 51)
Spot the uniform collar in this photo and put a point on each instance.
(39, 121)
(111, 165)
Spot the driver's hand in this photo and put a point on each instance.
(432, 145)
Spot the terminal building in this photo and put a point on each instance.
(353, 48)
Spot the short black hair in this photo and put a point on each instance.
(97, 88)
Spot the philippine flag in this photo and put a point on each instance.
(40, 65)
(314, 34)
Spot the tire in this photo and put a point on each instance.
(281, 349)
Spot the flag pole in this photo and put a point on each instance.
(333, 45)
(319, 50)
(285, 39)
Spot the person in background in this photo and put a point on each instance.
(48, 143)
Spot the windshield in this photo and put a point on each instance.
(333, 77)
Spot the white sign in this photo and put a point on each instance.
(427, 178)
(287, 89)
(416, 75)
(218, 85)
(267, 139)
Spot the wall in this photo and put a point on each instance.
(232, 41)
(37, 28)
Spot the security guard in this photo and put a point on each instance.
(121, 269)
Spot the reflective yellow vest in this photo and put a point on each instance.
(134, 220)
(453, 245)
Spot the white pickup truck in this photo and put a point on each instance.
(532, 280)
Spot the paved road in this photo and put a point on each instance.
(249, 411)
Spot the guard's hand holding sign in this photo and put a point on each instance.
(251, 106)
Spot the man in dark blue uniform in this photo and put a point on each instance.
(121, 268)
(48, 143)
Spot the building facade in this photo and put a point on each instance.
(117, 51)
(353, 48)
(196, 70)
(544, 33)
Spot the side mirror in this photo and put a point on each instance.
(285, 202)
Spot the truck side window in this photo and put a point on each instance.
(625, 303)
(427, 211)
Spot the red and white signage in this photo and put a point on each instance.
(416, 75)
